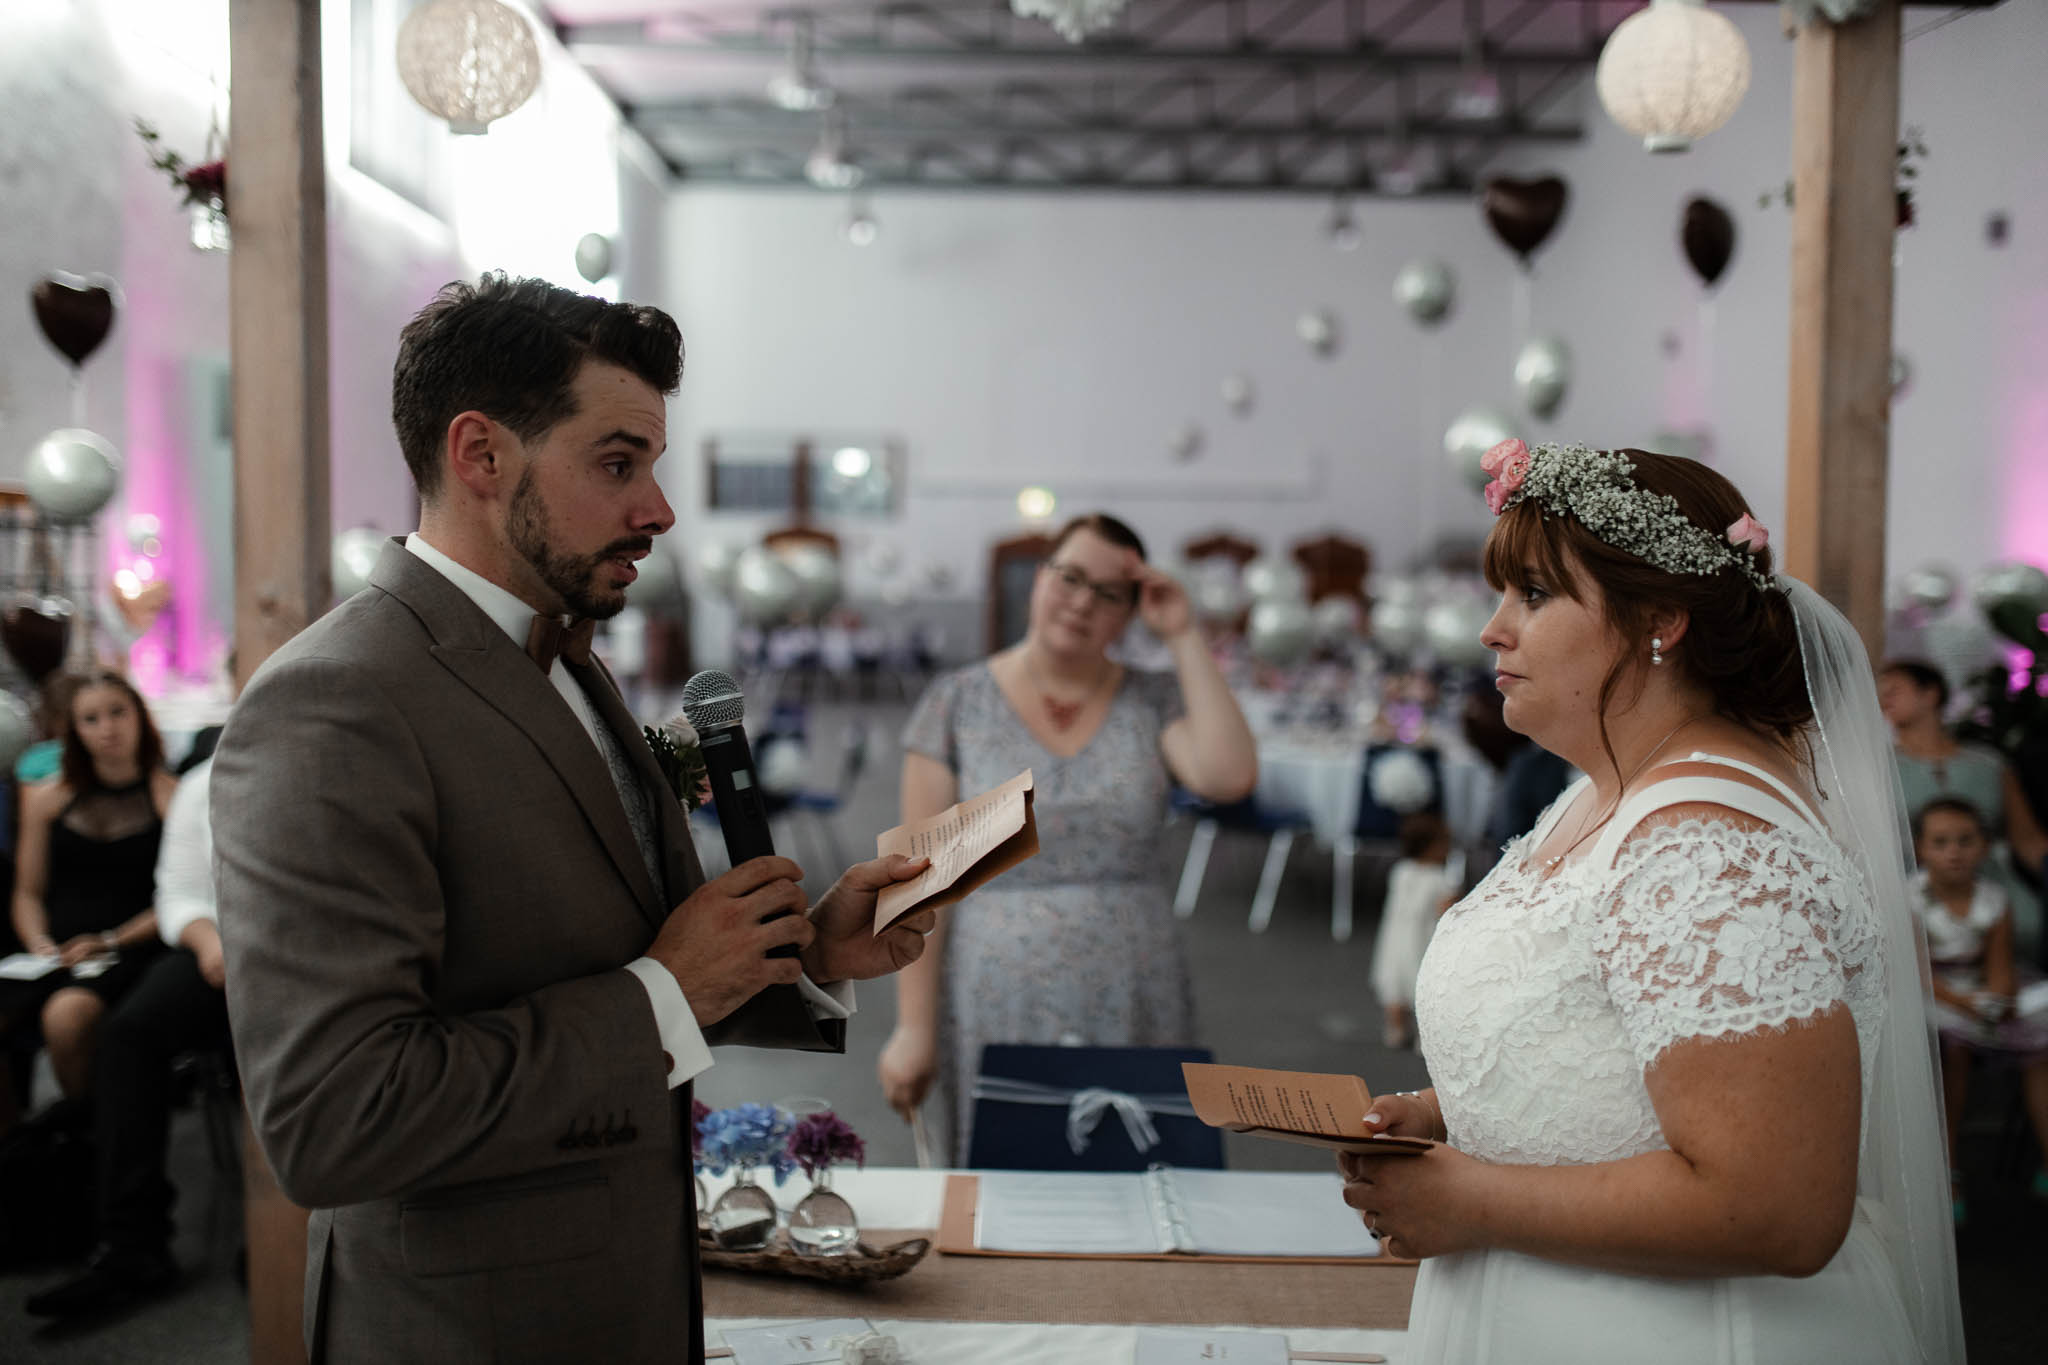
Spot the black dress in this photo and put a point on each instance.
(101, 873)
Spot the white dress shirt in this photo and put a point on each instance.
(681, 1039)
(184, 858)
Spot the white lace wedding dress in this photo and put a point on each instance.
(1539, 1005)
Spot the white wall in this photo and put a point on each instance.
(1016, 339)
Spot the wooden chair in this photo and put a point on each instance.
(1336, 566)
(1220, 544)
(1012, 567)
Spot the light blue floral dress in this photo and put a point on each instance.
(1078, 944)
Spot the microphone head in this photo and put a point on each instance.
(712, 701)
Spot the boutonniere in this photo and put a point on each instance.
(681, 762)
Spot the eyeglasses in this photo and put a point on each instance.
(1115, 596)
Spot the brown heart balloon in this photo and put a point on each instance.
(37, 632)
(1708, 236)
(75, 313)
(1523, 213)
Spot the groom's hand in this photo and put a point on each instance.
(716, 943)
(846, 947)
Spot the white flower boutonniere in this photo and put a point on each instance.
(675, 751)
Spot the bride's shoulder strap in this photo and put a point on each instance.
(1758, 797)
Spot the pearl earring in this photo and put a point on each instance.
(1656, 649)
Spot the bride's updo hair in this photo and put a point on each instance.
(1742, 647)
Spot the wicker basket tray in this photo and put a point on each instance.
(862, 1264)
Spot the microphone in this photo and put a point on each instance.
(715, 708)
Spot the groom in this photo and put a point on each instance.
(472, 962)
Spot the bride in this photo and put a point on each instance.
(1684, 1080)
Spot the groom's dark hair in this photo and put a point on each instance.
(511, 349)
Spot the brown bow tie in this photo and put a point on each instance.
(547, 638)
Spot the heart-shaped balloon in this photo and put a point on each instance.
(1708, 236)
(37, 632)
(1523, 213)
(75, 312)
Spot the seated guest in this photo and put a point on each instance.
(1078, 943)
(1976, 979)
(1932, 762)
(177, 1007)
(85, 877)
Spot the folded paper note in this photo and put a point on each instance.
(969, 844)
(1314, 1108)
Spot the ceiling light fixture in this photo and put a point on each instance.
(1477, 96)
(799, 88)
(1075, 19)
(829, 167)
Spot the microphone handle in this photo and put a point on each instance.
(742, 814)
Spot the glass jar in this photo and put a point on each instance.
(743, 1219)
(823, 1223)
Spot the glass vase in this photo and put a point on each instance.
(743, 1219)
(703, 1203)
(210, 225)
(823, 1223)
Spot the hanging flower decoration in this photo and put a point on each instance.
(746, 1135)
(820, 1140)
(1912, 151)
(204, 185)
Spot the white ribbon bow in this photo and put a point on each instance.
(1085, 1108)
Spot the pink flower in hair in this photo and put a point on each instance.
(1749, 533)
(1508, 463)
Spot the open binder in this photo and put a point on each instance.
(1164, 1214)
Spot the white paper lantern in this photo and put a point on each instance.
(470, 62)
(1672, 73)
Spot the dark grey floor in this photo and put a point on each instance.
(1289, 997)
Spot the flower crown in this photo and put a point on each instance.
(1598, 488)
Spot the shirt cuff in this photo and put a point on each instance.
(827, 1002)
(683, 1042)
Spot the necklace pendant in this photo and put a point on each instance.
(1062, 714)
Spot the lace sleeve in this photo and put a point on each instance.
(1717, 924)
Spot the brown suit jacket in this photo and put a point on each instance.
(428, 893)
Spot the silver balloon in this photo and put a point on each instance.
(818, 580)
(1336, 620)
(1238, 394)
(1453, 629)
(715, 561)
(1397, 626)
(660, 583)
(1395, 589)
(1931, 587)
(1281, 631)
(1318, 331)
(1216, 592)
(1543, 374)
(594, 256)
(1470, 436)
(2014, 583)
(1425, 290)
(1269, 579)
(17, 730)
(72, 473)
(764, 588)
(351, 557)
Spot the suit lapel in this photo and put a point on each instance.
(678, 853)
(470, 646)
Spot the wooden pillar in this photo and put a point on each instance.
(278, 341)
(1845, 132)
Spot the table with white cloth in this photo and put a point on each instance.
(994, 1310)
(1322, 775)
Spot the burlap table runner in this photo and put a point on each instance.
(1034, 1289)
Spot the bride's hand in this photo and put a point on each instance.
(1409, 1113)
(1416, 1205)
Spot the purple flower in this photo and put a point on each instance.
(825, 1138)
(699, 1111)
